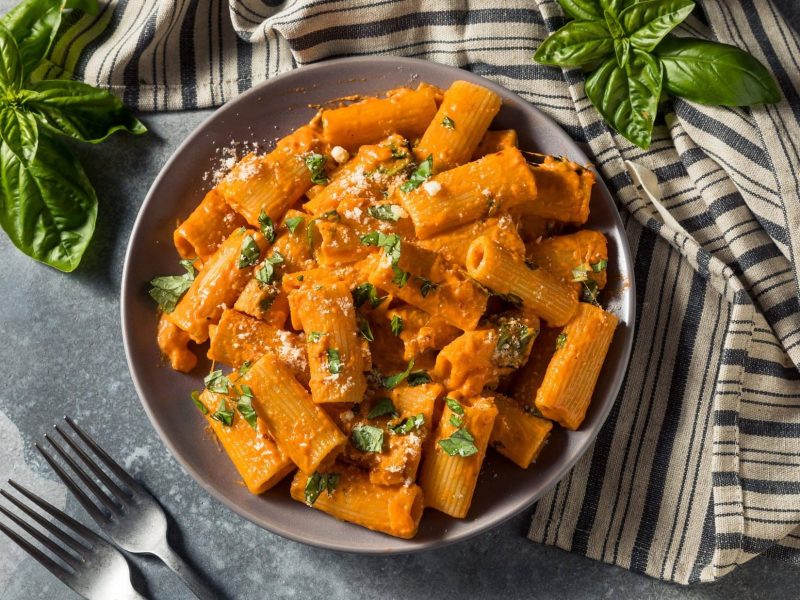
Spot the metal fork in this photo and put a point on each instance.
(89, 565)
(130, 517)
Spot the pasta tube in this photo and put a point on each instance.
(538, 292)
(453, 244)
(174, 344)
(207, 227)
(571, 376)
(565, 189)
(518, 434)
(395, 509)
(495, 141)
(578, 259)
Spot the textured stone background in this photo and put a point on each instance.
(61, 353)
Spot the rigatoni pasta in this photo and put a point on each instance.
(369, 294)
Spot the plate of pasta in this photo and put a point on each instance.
(395, 317)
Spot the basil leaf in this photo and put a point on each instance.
(11, 73)
(600, 265)
(714, 73)
(267, 227)
(390, 243)
(314, 336)
(364, 292)
(48, 207)
(455, 406)
(400, 277)
(392, 381)
(646, 23)
(316, 165)
(217, 382)
(448, 123)
(590, 291)
(614, 26)
(364, 329)
(80, 111)
(577, 43)
(367, 438)
(334, 361)
(561, 340)
(249, 252)
(199, 403)
(223, 414)
(244, 404)
(582, 9)
(408, 425)
(456, 421)
(418, 378)
(19, 130)
(383, 407)
(267, 270)
(426, 286)
(423, 171)
(628, 98)
(461, 443)
(396, 324)
(245, 367)
(168, 290)
(513, 339)
(385, 212)
(622, 50)
(292, 223)
(318, 483)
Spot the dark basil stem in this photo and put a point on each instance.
(631, 62)
(48, 207)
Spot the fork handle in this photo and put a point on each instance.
(188, 575)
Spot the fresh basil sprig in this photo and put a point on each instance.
(48, 207)
(633, 62)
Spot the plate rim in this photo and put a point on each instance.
(279, 528)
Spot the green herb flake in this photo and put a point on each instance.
(513, 340)
(385, 212)
(426, 286)
(420, 175)
(561, 340)
(223, 414)
(168, 290)
(448, 123)
(456, 421)
(217, 382)
(318, 483)
(589, 292)
(245, 367)
(397, 324)
(314, 336)
(334, 361)
(400, 277)
(461, 443)
(408, 425)
(580, 274)
(396, 152)
(267, 226)
(249, 252)
(292, 223)
(454, 406)
(367, 438)
(392, 381)
(267, 270)
(198, 403)
(384, 406)
(244, 404)
(364, 329)
(316, 165)
(600, 266)
(418, 378)
(366, 292)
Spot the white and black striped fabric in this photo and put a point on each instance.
(698, 468)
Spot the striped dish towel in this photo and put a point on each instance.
(697, 469)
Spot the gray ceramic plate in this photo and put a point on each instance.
(271, 110)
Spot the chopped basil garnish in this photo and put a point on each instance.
(318, 483)
(217, 382)
(397, 324)
(244, 404)
(408, 425)
(392, 381)
(400, 277)
(314, 336)
(292, 223)
(367, 438)
(513, 340)
(364, 292)
(418, 378)
(590, 291)
(561, 340)
(420, 175)
(580, 274)
(267, 271)
(245, 367)
(267, 226)
(223, 414)
(198, 403)
(364, 329)
(600, 265)
(249, 253)
(382, 407)
(396, 153)
(391, 245)
(316, 164)
(448, 123)
(456, 421)
(454, 406)
(334, 361)
(461, 443)
(168, 290)
(385, 212)
(426, 286)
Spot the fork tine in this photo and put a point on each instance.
(88, 481)
(119, 494)
(87, 504)
(40, 556)
(79, 528)
(45, 541)
(103, 455)
(48, 525)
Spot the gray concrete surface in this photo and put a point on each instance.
(61, 353)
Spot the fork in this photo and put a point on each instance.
(130, 517)
(94, 568)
